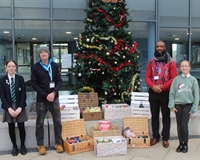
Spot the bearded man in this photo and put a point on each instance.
(160, 72)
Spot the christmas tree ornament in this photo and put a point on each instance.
(111, 81)
(89, 62)
(79, 75)
(74, 60)
(102, 73)
(115, 93)
(87, 40)
(106, 93)
(115, 62)
(123, 57)
(107, 53)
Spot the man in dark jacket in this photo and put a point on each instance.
(46, 81)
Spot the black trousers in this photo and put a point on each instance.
(182, 119)
(159, 101)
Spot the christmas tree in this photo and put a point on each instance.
(107, 59)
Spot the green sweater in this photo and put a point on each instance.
(184, 90)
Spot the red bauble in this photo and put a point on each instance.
(111, 80)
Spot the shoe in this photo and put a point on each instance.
(154, 141)
(23, 150)
(59, 148)
(15, 151)
(165, 144)
(185, 148)
(42, 150)
(179, 148)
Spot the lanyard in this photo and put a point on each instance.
(47, 68)
(157, 67)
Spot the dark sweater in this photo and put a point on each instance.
(40, 80)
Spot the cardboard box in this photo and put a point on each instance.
(113, 148)
(74, 128)
(139, 126)
(116, 111)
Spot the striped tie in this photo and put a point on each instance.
(13, 95)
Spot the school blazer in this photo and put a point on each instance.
(5, 93)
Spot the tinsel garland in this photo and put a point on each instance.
(79, 55)
(104, 38)
(133, 48)
(128, 93)
(122, 15)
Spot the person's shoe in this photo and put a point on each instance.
(179, 148)
(23, 150)
(154, 141)
(15, 151)
(185, 148)
(41, 150)
(59, 148)
(165, 144)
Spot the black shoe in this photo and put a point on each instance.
(179, 148)
(23, 150)
(185, 148)
(15, 151)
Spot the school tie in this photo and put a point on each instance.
(13, 95)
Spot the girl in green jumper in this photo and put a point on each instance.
(184, 100)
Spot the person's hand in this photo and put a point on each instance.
(12, 112)
(157, 88)
(174, 110)
(51, 96)
(18, 111)
(190, 114)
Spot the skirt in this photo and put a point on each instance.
(22, 117)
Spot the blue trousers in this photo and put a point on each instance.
(41, 109)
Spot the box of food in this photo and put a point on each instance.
(87, 103)
(116, 111)
(110, 146)
(114, 131)
(138, 129)
(74, 137)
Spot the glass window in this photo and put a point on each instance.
(173, 13)
(195, 54)
(141, 34)
(5, 9)
(31, 9)
(176, 42)
(72, 10)
(141, 9)
(195, 13)
(6, 49)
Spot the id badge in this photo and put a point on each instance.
(51, 84)
(156, 77)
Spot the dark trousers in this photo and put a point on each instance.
(41, 109)
(159, 101)
(182, 119)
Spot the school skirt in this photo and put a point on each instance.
(22, 117)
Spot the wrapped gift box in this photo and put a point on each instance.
(110, 146)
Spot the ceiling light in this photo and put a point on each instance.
(68, 32)
(6, 32)
(34, 39)
(75, 38)
(176, 39)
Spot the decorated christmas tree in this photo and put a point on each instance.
(107, 59)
